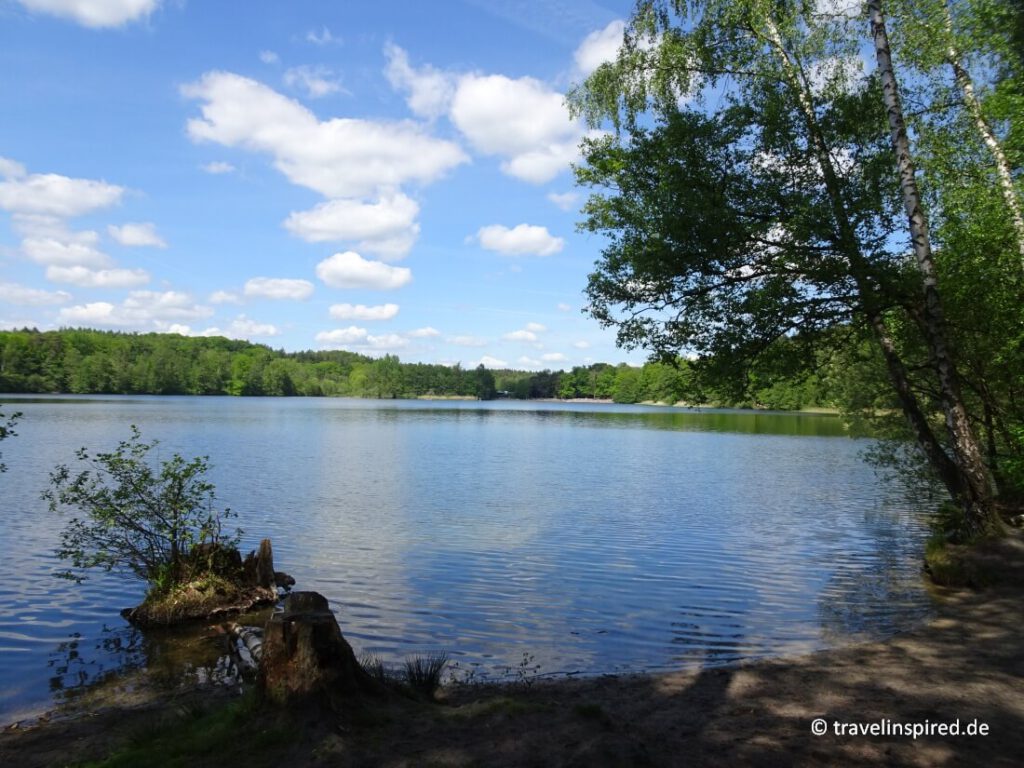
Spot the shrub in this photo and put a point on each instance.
(136, 519)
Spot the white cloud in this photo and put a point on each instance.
(142, 309)
(553, 357)
(536, 327)
(350, 270)
(95, 13)
(429, 91)
(97, 278)
(278, 288)
(467, 341)
(12, 293)
(528, 362)
(340, 157)
(581, 344)
(269, 57)
(316, 82)
(598, 47)
(489, 362)
(138, 235)
(564, 200)
(322, 36)
(386, 228)
(218, 167)
(50, 194)
(522, 120)
(363, 312)
(71, 250)
(521, 240)
(563, 307)
(354, 337)
(424, 333)
(241, 328)
(224, 297)
(520, 336)
(11, 169)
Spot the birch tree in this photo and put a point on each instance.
(760, 186)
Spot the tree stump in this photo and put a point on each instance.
(306, 660)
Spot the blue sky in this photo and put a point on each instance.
(384, 177)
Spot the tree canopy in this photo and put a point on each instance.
(758, 186)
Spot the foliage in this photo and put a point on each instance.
(71, 361)
(754, 218)
(7, 430)
(135, 518)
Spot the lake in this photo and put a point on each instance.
(520, 537)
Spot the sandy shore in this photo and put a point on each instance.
(966, 665)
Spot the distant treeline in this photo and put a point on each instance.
(82, 361)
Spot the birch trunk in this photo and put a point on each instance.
(976, 494)
(966, 86)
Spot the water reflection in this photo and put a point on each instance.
(591, 539)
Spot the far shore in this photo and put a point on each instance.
(964, 667)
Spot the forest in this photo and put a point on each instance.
(82, 361)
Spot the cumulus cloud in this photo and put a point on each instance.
(97, 278)
(12, 293)
(424, 333)
(138, 235)
(68, 249)
(11, 169)
(598, 47)
(522, 120)
(241, 328)
(489, 362)
(150, 310)
(386, 228)
(521, 240)
(553, 357)
(564, 200)
(354, 337)
(363, 312)
(316, 82)
(218, 167)
(340, 157)
(224, 297)
(428, 91)
(350, 270)
(278, 288)
(536, 327)
(95, 13)
(563, 307)
(269, 57)
(581, 344)
(521, 335)
(50, 194)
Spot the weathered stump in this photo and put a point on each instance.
(305, 658)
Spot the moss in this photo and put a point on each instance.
(204, 596)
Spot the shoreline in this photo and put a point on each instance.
(966, 664)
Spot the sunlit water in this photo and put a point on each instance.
(517, 537)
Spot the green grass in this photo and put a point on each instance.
(232, 734)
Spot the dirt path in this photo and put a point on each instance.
(966, 665)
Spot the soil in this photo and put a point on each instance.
(966, 665)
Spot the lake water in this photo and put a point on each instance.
(517, 537)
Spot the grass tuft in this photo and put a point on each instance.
(423, 673)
